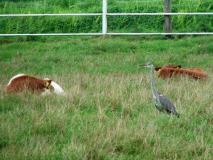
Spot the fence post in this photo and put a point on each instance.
(104, 17)
(167, 20)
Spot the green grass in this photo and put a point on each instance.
(93, 24)
(108, 112)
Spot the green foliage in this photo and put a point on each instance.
(93, 24)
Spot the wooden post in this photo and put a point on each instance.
(167, 20)
(104, 17)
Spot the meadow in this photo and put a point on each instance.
(108, 112)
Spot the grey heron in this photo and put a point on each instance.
(162, 103)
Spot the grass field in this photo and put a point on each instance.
(108, 111)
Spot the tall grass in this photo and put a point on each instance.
(108, 111)
(93, 24)
(108, 117)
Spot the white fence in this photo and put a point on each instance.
(104, 15)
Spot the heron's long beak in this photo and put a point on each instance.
(143, 65)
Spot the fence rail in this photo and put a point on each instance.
(108, 14)
(44, 15)
(167, 14)
(110, 34)
(160, 14)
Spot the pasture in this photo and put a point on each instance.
(108, 111)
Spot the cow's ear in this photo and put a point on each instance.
(157, 68)
(179, 66)
(48, 83)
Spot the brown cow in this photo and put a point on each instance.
(23, 82)
(176, 70)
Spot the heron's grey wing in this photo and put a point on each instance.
(169, 107)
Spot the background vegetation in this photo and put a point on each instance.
(108, 111)
(93, 24)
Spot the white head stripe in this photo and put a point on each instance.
(57, 88)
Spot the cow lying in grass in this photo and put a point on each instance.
(23, 82)
(176, 70)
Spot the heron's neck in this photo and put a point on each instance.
(152, 80)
